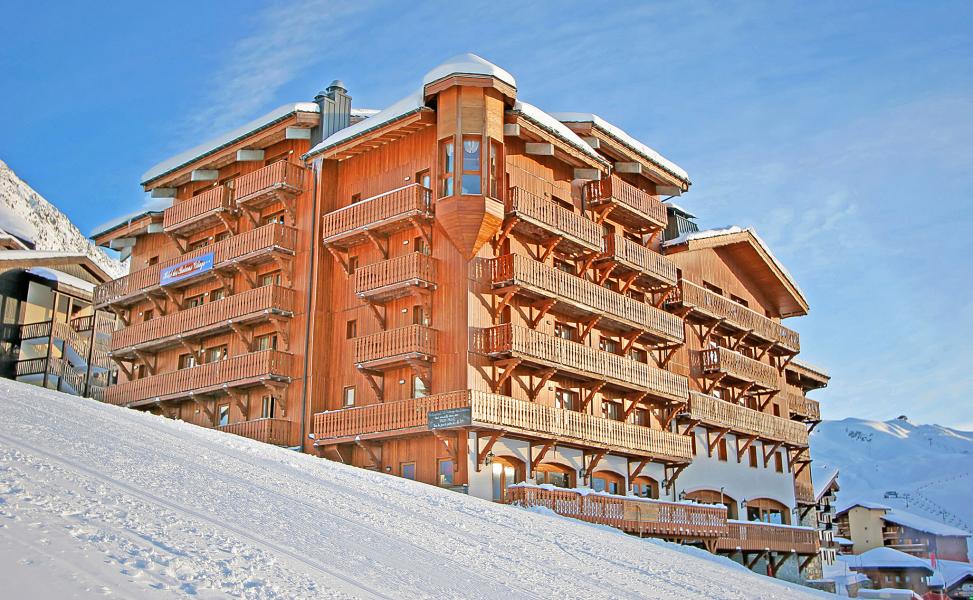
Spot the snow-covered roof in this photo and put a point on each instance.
(843, 508)
(183, 158)
(810, 367)
(149, 206)
(364, 112)
(15, 224)
(953, 571)
(62, 277)
(39, 254)
(467, 64)
(886, 558)
(559, 129)
(402, 108)
(627, 140)
(843, 541)
(907, 519)
(679, 209)
(822, 476)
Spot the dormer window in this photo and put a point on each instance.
(472, 167)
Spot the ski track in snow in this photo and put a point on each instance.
(107, 501)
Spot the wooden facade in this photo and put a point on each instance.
(464, 256)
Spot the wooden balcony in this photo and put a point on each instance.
(653, 270)
(395, 348)
(638, 516)
(395, 278)
(212, 207)
(243, 309)
(749, 536)
(34, 369)
(543, 221)
(382, 214)
(733, 368)
(581, 299)
(722, 414)
(237, 372)
(807, 376)
(516, 418)
(634, 208)
(581, 361)
(804, 492)
(734, 317)
(82, 324)
(801, 407)
(277, 182)
(279, 432)
(78, 343)
(250, 248)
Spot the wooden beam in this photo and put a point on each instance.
(506, 370)
(741, 449)
(593, 463)
(379, 242)
(370, 379)
(588, 325)
(721, 433)
(508, 226)
(481, 455)
(536, 460)
(545, 376)
(543, 307)
(638, 470)
(773, 449)
(756, 557)
(342, 260)
(548, 247)
(376, 461)
(378, 314)
(504, 301)
(590, 395)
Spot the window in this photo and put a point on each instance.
(269, 408)
(277, 217)
(612, 410)
(753, 456)
(645, 487)
(448, 170)
(447, 470)
(187, 361)
(348, 396)
(153, 260)
(739, 300)
(496, 173)
(194, 301)
(639, 355)
(555, 475)
(419, 243)
(563, 265)
(270, 279)
(216, 354)
(641, 417)
(222, 236)
(609, 345)
(713, 288)
(606, 482)
(224, 414)
(408, 470)
(566, 399)
(419, 389)
(351, 329)
(419, 316)
(565, 331)
(217, 294)
(778, 462)
(721, 449)
(692, 442)
(197, 245)
(423, 179)
(355, 198)
(148, 314)
(777, 410)
(471, 166)
(352, 263)
(266, 342)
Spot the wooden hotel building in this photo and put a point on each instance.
(467, 291)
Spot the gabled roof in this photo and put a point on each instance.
(152, 208)
(912, 521)
(753, 253)
(887, 558)
(863, 504)
(824, 477)
(27, 259)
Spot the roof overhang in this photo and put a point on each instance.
(81, 260)
(508, 91)
(138, 225)
(744, 249)
(532, 131)
(380, 135)
(808, 376)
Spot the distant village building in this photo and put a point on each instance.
(890, 568)
(872, 525)
(826, 489)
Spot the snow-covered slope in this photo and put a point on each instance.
(96, 499)
(929, 468)
(26, 214)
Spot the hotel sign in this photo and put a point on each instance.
(451, 417)
(187, 269)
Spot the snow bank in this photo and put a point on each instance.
(99, 498)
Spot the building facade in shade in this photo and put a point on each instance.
(467, 291)
(50, 334)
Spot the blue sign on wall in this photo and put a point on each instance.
(186, 269)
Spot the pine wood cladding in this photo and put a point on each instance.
(653, 269)
(280, 432)
(801, 406)
(538, 218)
(392, 278)
(723, 362)
(198, 212)
(269, 184)
(760, 537)
(383, 213)
(740, 419)
(626, 203)
(395, 346)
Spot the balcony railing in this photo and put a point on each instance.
(630, 256)
(632, 206)
(198, 212)
(632, 515)
(208, 318)
(757, 537)
(279, 432)
(579, 359)
(56, 367)
(516, 417)
(269, 184)
(801, 406)
(740, 419)
(238, 371)
(739, 367)
(734, 315)
(384, 213)
(82, 324)
(80, 343)
(541, 219)
(388, 349)
(251, 246)
(577, 295)
(804, 492)
(393, 278)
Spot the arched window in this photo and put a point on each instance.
(714, 497)
(768, 511)
(608, 481)
(506, 470)
(645, 487)
(554, 474)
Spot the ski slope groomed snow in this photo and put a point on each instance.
(102, 501)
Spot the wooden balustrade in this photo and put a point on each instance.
(573, 357)
(81, 344)
(207, 318)
(751, 536)
(197, 212)
(799, 405)
(395, 346)
(238, 371)
(632, 205)
(516, 417)
(734, 314)
(541, 219)
(57, 367)
(573, 292)
(383, 213)
(391, 278)
(631, 256)
(238, 248)
(269, 184)
(279, 432)
(632, 515)
(81, 324)
(41, 329)
(804, 492)
(739, 367)
(742, 420)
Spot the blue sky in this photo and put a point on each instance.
(841, 131)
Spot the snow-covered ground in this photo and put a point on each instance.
(98, 500)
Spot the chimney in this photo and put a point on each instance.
(335, 106)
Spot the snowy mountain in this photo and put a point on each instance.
(27, 215)
(923, 469)
(98, 500)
